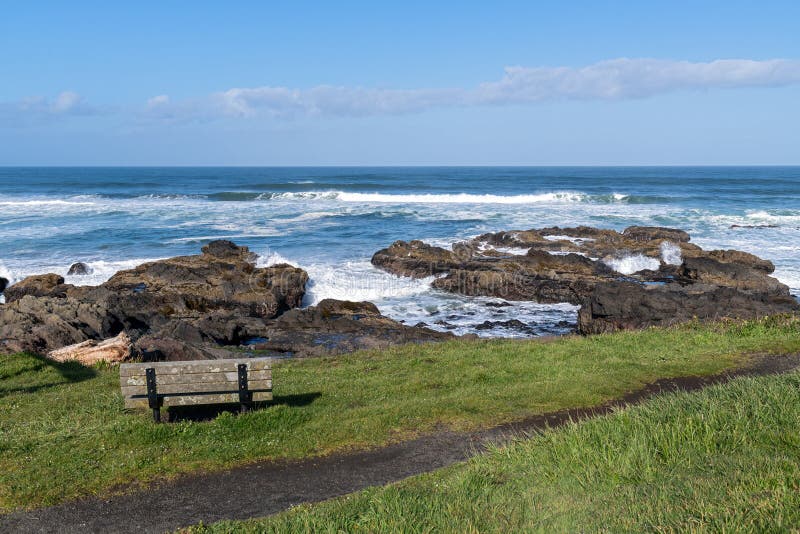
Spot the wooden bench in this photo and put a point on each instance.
(153, 385)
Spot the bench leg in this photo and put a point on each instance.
(244, 408)
(157, 415)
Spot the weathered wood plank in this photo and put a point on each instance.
(194, 378)
(127, 391)
(192, 400)
(205, 366)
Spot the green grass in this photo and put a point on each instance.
(64, 433)
(725, 459)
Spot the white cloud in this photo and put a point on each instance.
(338, 101)
(632, 78)
(156, 101)
(614, 79)
(65, 103)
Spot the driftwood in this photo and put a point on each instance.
(113, 350)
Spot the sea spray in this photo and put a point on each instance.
(671, 253)
(632, 263)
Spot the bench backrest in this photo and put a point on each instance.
(196, 382)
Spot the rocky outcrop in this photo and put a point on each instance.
(645, 234)
(42, 324)
(79, 269)
(335, 326)
(3, 284)
(535, 276)
(113, 350)
(415, 259)
(190, 307)
(223, 277)
(577, 265)
(627, 305)
(41, 285)
(176, 296)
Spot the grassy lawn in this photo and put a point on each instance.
(64, 433)
(725, 459)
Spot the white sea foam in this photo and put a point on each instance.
(305, 217)
(36, 203)
(516, 251)
(269, 257)
(559, 197)
(463, 198)
(359, 281)
(576, 240)
(469, 315)
(632, 263)
(261, 232)
(671, 253)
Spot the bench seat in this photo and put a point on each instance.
(153, 385)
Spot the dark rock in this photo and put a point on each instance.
(40, 285)
(228, 250)
(743, 258)
(513, 238)
(334, 327)
(628, 305)
(79, 269)
(709, 270)
(511, 324)
(653, 233)
(3, 284)
(581, 232)
(221, 278)
(714, 283)
(218, 297)
(415, 259)
(501, 304)
(41, 324)
(151, 348)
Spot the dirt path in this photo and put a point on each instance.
(265, 488)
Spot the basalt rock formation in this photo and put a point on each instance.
(189, 307)
(79, 269)
(640, 277)
(334, 326)
(41, 285)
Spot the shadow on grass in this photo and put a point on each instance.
(208, 412)
(67, 372)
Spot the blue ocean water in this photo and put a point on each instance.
(331, 220)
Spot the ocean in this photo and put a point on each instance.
(330, 220)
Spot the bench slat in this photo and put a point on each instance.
(127, 391)
(207, 366)
(191, 400)
(194, 378)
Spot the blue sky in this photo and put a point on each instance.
(365, 83)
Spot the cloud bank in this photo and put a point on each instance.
(615, 79)
(65, 103)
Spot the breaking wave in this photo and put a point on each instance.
(633, 264)
(432, 198)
